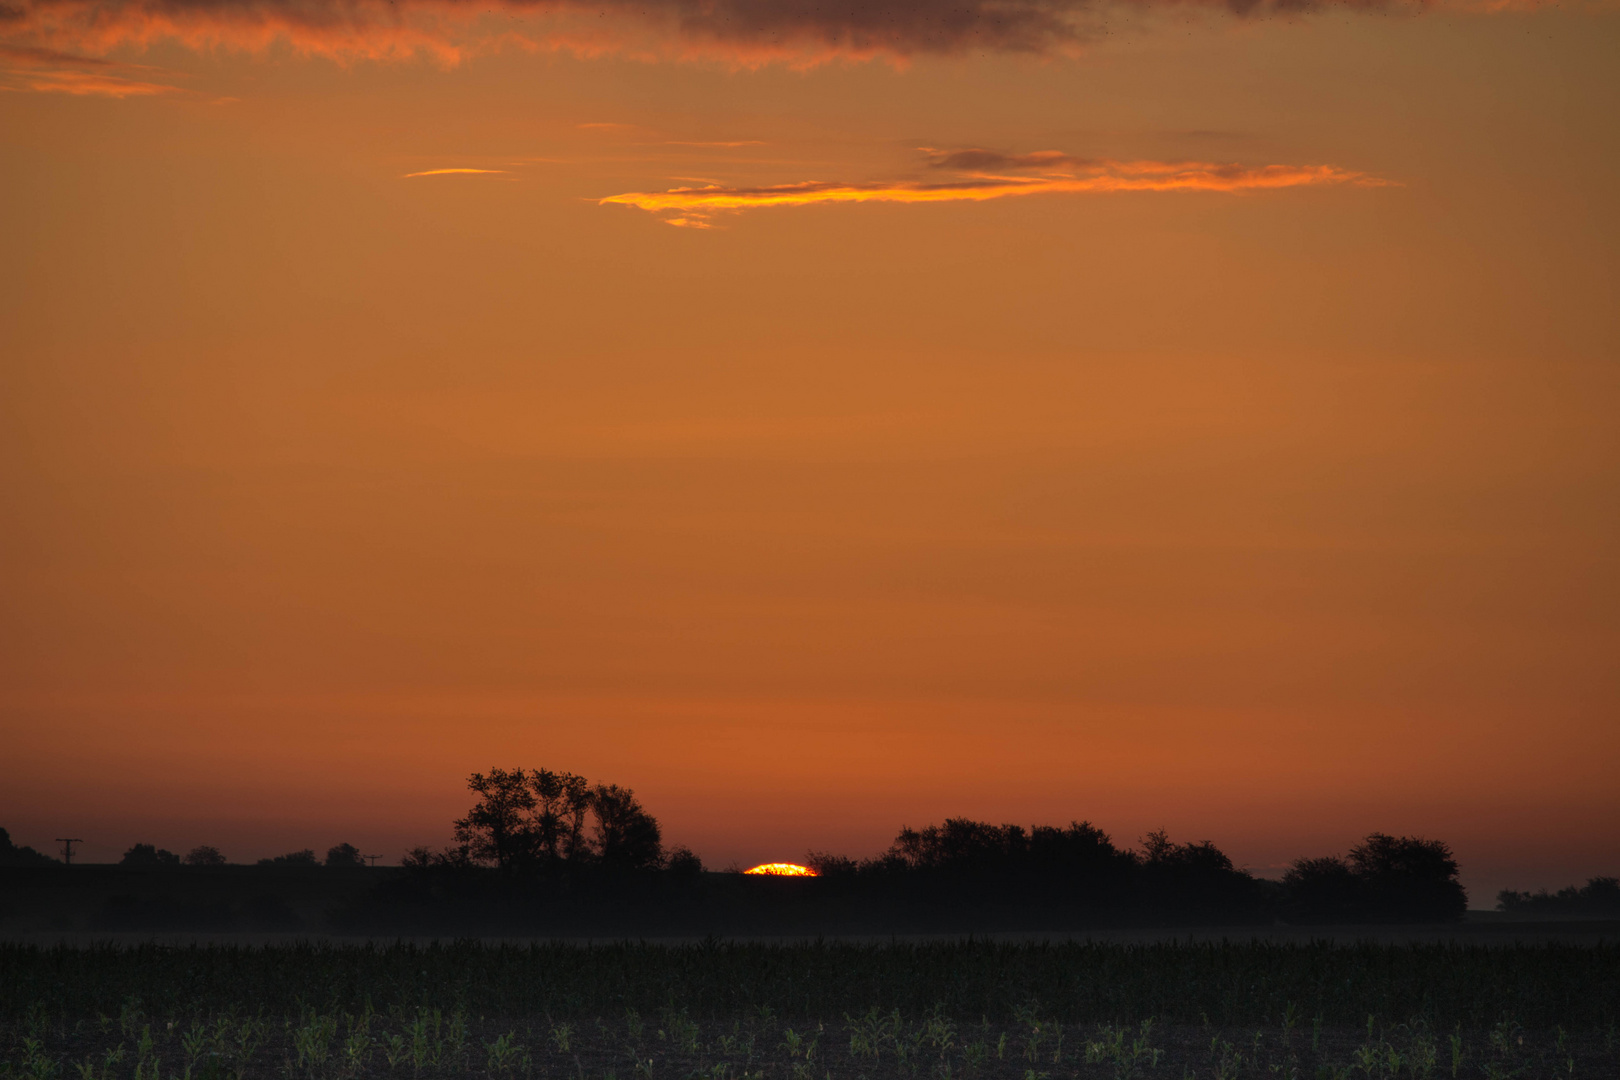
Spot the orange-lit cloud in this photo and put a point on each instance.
(457, 172)
(694, 204)
(740, 32)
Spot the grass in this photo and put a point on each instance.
(796, 1012)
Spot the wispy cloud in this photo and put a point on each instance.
(23, 56)
(739, 32)
(714, 144)
(976, 160)
(457, 172)
(51, 71)
(91, 84)
(691, 205)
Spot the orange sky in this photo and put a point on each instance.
(1138, 413)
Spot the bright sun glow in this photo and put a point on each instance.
(782, 869)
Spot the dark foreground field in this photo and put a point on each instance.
(970, 1009)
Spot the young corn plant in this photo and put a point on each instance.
(869, 1034)
(355, 1052)
(504, 1053)
(312, 1041)
(395, 1049)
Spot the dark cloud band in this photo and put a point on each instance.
(736, 31)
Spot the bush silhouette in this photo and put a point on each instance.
(205, 855)
(149, 855)
(683, 861)
(293, 858)
(1384, 879)
(13, 855)
(344, 855)
(1323, 890)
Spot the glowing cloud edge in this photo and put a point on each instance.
(1100, 177)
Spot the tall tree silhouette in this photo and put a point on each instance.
(561, 801)
(626, 835)
(498, 828)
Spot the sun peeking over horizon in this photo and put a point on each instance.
(781, 869)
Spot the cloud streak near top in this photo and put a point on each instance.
(742, 32)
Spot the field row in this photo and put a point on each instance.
(1540, 986)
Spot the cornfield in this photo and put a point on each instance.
(814, 1010)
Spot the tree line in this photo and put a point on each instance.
(1600, 896)
(1382, 879)
(536, 822)
(151, 856)
(543, 826)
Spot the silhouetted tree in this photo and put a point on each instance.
(1194, 879)
(205, 855)
(499, 828)
(13, 855)
(1408, 879)
(293, 858)
(561, 801)
(966, 848)
(344, 855)
(960, 845)
(626, 835)
(1080, 847)
(1599, 897)
(1157, 847)
(1200, 858)
(149, 855)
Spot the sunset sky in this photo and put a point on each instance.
(820, 420)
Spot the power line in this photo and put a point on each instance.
(67, 843)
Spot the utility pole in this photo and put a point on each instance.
(67, 843)
(371, 860)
